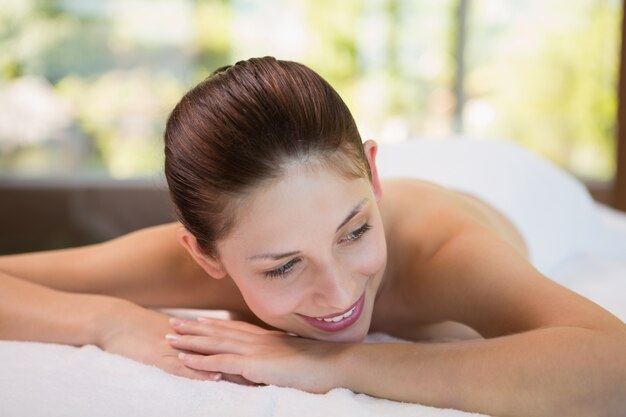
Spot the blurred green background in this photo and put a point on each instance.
(86, 86)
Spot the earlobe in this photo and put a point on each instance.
(370, 147)
(211, 266)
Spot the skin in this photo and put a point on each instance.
(434, 263)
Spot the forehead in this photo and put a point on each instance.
(307, 200)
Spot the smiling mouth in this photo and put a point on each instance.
(338, 317)
(338, 321)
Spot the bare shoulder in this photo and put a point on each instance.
(429, 214)
(453, 264)
(420, 219)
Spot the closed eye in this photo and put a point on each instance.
(282, 270)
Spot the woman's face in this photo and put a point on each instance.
(308, 254)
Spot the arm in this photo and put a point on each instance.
(147, 267)
(547, 372)
(75, 296)
(548, 351)
(31, 312)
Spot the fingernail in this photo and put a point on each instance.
(184, 357)
(176, 322)
(172, 337)
(203, 319)
(216, 377)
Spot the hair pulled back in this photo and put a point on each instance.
(240, 127)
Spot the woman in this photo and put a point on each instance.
(284, 222)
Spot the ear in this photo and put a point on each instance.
(211, 266)
(370, 147)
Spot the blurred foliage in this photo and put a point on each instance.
(550, 79)
(212, 42)
(123, 112)
(87, 85)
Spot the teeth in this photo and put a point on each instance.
(338, 318)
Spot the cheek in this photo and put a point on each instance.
(372, 257)
(266, 298)
(270, 299)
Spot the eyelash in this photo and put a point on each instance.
(355, 235)
(283, 270)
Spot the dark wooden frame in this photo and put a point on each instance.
(613, 193)
(49, 213)
(619, 185)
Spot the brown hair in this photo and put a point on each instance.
(240, 127)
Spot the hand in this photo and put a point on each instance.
(258, 355)
(138, 333)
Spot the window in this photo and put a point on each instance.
(86, 86)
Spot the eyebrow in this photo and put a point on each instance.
(276, 256)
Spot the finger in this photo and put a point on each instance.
(207, 344)
(222, 363)
(208, 329)
(190, 373)
(238, 379)
(233, 324)
(240, 325)
(175, 367)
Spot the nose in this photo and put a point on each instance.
(334, 287)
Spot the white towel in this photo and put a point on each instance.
(51, 380)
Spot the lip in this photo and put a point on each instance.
(340, 325)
